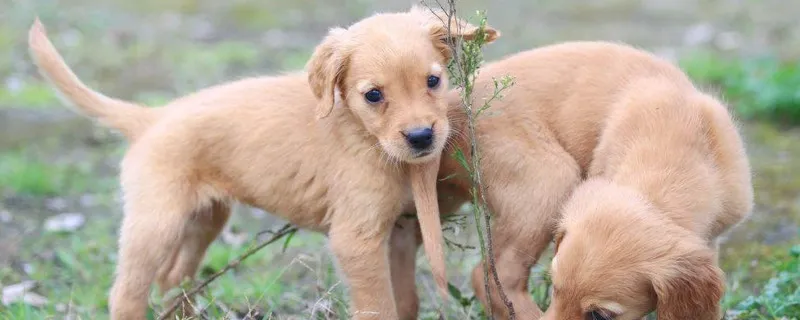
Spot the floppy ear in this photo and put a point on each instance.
(444, 31)
(692, 289)
(325, 68)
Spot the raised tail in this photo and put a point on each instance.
(129, 118)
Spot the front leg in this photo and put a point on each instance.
(404, 244)
(361, 249)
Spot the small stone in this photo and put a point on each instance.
(14, 84)
(21, 292)
(65, 222)
(5, 216)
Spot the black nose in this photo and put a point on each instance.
(420, 139)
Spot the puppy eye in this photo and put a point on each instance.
(598, 315)
(433, 82)
(373, 96)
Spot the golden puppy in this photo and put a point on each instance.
(667, 172)
(325, 150)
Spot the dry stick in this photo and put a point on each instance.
(489, 245)
(484, 211)
(476, 176)
(286, 229)
(450, 12)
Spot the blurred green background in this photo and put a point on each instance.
(59, 200)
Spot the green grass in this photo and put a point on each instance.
(763, 280)
(70, 269)
(74, 270)
(765, 87)
(779, 297)
(25, 174)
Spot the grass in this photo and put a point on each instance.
(23, 173)
(779, 297)
(764, 87)
(74, 271)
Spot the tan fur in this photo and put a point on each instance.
(667, 174)
(286, 144)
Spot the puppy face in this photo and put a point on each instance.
(389, 70)
(618, 259)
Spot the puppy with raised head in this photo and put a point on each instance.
(666, 169)
(329, 150)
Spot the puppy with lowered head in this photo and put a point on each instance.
(329, 150)
(666, 173)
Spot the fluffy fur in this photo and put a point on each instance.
(667, 174)
(305, 146)
(666, 169)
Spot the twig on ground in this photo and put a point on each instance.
(283, 231)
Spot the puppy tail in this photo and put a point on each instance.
(423, 186)
(129, 118)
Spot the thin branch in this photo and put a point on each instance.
(486, 216)
(285, 230)
(465, 72)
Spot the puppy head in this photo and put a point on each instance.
(390, 71)
(617, 258)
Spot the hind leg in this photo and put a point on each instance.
(150, 234)
(157, 211)
(204, 228)
(513, 259)
(403, 246)
(525, 192)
